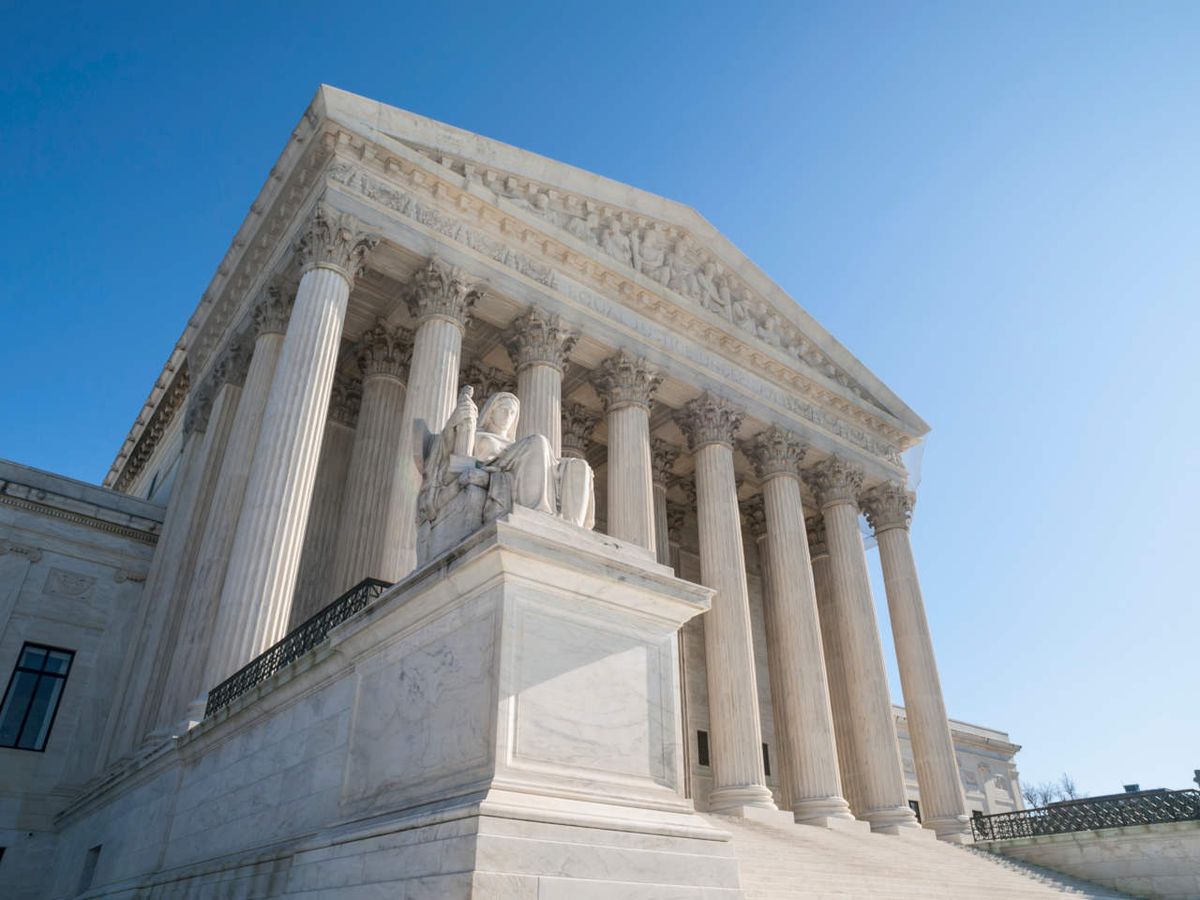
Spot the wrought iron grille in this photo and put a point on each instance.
(295, 644)
(1086, 815)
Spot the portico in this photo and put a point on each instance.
(415, 260)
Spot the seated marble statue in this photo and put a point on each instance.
(475, 470)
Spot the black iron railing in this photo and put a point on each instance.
(1113, 811)
(295, 644)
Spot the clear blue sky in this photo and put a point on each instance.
(996, 208)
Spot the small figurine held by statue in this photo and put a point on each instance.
(476, 469)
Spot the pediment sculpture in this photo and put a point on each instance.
(476, 470)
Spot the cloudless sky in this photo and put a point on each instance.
(996, 207)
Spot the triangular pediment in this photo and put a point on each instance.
(668, 245)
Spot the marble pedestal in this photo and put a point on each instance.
(503, 723)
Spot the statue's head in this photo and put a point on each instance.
(500, 414)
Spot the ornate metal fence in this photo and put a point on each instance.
(1086, 815)
(295, 644)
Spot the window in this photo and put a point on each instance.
(766, 761)
(915, 806)
(702, 747)
(31, 701)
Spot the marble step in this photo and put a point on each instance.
(785, 862)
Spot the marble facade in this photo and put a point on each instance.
(722, 623)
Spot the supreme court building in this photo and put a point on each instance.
(274, 655)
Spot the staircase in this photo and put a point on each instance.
(782, 862)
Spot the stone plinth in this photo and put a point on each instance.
(440, 741)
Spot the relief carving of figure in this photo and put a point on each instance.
(616, 243)
(650, 255)
(476, 469)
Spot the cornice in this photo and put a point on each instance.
(169, 404)
(35, 500)
(451, 206)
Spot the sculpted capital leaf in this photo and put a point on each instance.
(834, 480)
(273, 310)
(626, 380)
(775, 451)
(662, 461)
(334, 240)
(345, 400)
(709, 419)
(440, 290)
(578, 424)
(755, 514)
(814, 526)
(384, 351)
(888, 505)
(540, 338)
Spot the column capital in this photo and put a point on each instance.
(709, 419)
(486, 380)
(577, 426)
(334, 240)
(231, 365)
(626, 380)
(814, 527)
(442, 291)
(834, 480)
(687, 485)
(888, 505)
(195, 417)
(754, 512)
(345, 400)
(662, 461)
(676, 517)
(383, 350)
(539, 338)
(775, 451)
(273, 310)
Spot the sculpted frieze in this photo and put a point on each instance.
(355, 178)
(661, 252)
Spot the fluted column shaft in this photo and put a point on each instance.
(370, 533)
(943, 806)
(626, 385)
(315, 582)
(256, 600)
(186, 681)
(227, 399)
(734, 729)
(835, 664)
(662, 460)
(205, 433)
(878, 772)
(803, 715)
(539, 388)
(440, 298)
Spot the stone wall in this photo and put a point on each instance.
(72, 561)
(1160, 860)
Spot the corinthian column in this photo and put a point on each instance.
(186, 681)
(440, 299)
(626, 385)
(835, 661)
(662, 462)
(944, 809)
(539, 344)
(739, 785)
(878, 775)
(369, 536)
(799, 687)
(314, 584)
(256, 598)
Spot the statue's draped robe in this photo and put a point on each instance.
(526, 473)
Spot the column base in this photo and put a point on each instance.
(894, 820)
(823, 812)
(752, 801)
(951, 829)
